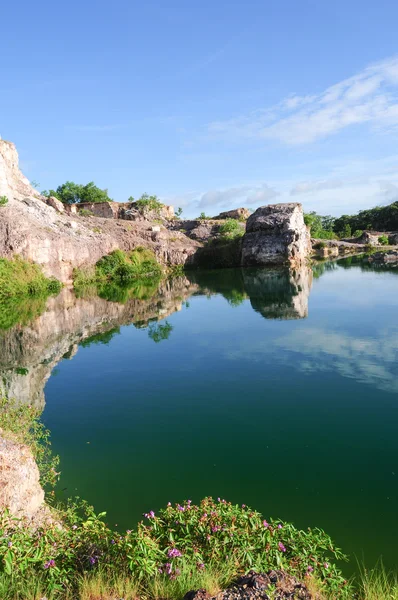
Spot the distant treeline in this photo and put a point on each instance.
(380, 218)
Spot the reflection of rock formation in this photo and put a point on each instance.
(279, 294)
(29, 354)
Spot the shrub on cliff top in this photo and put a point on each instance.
(148, 204)
(3, 200)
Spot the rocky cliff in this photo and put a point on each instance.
(60, 242)
(20, 489)
(43, 231)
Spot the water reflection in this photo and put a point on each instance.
(29, 352)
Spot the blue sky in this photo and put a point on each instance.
(208, 104)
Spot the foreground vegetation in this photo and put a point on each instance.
(185, 546)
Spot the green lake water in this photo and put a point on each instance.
(274, 389)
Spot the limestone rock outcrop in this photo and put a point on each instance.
(20, 489)
(237, 213)
(276, 235)
(39, 230)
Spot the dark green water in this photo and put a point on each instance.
(246, 398)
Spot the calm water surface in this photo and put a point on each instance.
(269, 389)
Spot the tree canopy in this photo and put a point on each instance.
(380, 218)
(75, 193)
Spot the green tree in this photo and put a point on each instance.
(74, 193)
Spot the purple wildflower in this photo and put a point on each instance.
(280, 526)
(174, 553)
(92, 560)
(169, 504)
(281, 547)
(74, 527)
(310, 569)
(243, 505)
(326, 565)
(151, 514)
(49, 564)
(113, 542)
(9, 544)
(128, 531)
(201, 566)
(180, 508)
(265, 523)
(218, 500)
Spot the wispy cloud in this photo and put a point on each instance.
(370, 96)
(310, 187)
(232, 197)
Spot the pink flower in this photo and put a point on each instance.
(265, 523)
(281, 547)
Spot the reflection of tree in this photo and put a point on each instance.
(100, 338)
(158, 332)
(319, 268)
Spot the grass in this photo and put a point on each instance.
(377, 584)
(23, 291)
(22, 279)
(231, 229)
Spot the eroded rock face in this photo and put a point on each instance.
(60, 240)
(20, 490)
(276, 235)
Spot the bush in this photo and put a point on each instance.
(383, 240)
(148, 204)
(357, 233)
(203, 217)
(119, 269)
(320, 245)
(181, 540)
(22, 279)
(3, 200)
(84, 212)
(231, 229)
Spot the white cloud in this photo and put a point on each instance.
(310, 187)
(370, 97)
(242, 195)
(233, 197)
